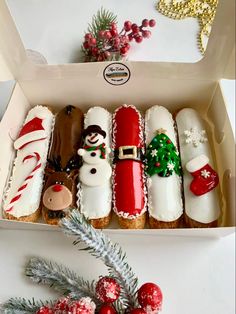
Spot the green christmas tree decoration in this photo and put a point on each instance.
(162, 156)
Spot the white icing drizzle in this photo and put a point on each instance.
(204, 208)
(30, 198)
(95, 201)
(164, 193)
(141, 138)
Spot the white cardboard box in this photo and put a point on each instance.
(174, 85)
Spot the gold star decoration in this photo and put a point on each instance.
(161, 131)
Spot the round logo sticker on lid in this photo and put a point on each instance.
(116, 73)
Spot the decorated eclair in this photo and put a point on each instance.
(95, 173)
(60, 189)
(129, 190)
(163, 169)
(22, 198)
(200, 179)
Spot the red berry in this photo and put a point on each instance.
(135, 28)
(145, 23)
(94, 51)
(152, 23)
(62, 305)
(107, 309)
(107, 34)
(150, 296)
(113, 32)
(157, 164)
(116, 41)
(86, 45)
(107, 289)
(45, 310)
(101, 34)
(131, 37)
(127, 45)
(83, 306)
(138, 311)
(88, 36)
(92, 41)
(146, 34)
(138, 39)
(113, 26)
(123, 50)
(168, 141)
(127, 26)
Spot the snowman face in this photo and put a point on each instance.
(94, 139)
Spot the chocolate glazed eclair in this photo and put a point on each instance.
(60, 189)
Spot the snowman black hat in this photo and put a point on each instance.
(94, 129)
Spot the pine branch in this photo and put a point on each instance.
(22, 306)
(100, 246)
(61, 278)
(101, 21)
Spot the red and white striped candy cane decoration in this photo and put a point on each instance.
(26, 181)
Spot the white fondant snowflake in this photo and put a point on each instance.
(154, 153)
(205, 174)
(195, 136)
(170, 166)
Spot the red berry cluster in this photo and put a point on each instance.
(68, 306)
(110, 43)
(108, 291)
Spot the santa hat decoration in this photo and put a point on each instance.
(205, 178)
(32, 131)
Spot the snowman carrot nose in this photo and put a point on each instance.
(93, 137)
(57, 188)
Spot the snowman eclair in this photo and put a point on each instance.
(95, 174)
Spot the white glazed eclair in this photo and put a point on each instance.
(95, 197)
(201, 199)
(22, 198)
(163, 169)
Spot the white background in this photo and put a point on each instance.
(56, 29)
(195, 274)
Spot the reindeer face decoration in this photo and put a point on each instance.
(58, 196)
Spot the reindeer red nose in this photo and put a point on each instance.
(57, 188)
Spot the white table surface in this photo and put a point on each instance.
(195, 274)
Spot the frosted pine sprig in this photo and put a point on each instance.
(23, 306)
(100, 246)
(61, 278)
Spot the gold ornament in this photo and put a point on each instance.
(203, 10)
(161, 131)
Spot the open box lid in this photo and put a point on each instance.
(217, 63)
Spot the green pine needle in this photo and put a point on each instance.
(100, 246)
(61, 278)
(101, 21)
(23, 306)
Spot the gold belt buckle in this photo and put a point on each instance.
(128, 152)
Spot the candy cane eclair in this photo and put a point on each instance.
(22, 198)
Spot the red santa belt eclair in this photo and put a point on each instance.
(129, 193)
(22, 198)
(200, 180)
